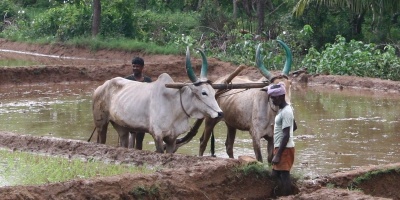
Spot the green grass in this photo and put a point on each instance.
(20, 168)
(15, 63)
(368, 176)
(258, 169)
(141, 192)
(126, 45)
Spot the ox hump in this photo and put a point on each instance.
(164, 78)
(118, 83)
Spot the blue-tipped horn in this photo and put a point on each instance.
(189, 68)
(260, 65)
(204, 65)
(289, 58)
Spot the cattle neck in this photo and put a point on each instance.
(180, 100)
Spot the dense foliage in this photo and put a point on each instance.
(332, 38)
(354, 58)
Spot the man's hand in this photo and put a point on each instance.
(276, 159)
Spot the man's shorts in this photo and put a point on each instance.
(287, 159)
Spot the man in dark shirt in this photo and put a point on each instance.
(137, 66)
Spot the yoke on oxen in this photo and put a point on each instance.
(250, 109)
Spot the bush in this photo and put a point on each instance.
(8, 11)
(62, 23)
(354, 58)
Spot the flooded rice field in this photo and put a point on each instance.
(338, 129)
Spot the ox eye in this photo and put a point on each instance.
(204, 93)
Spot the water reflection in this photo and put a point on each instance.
(338, 129)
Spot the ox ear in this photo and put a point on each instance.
(189, 68)
(260, 64)
(289, 57)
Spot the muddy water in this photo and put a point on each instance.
(338, 129)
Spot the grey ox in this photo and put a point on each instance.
(248, 110)
(163, 112)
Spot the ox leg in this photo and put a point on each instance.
(139, 140)
(102, 133)
(230, 140)
(158, 140)
(123, 134)
(256, 147)
(270, 148)
(170, 144)
(209, 127)
(132, 137)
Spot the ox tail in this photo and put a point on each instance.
(212, 144)
(91, 135)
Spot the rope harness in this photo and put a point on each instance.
(180, 98)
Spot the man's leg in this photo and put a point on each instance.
(139, 140)
(286, 183)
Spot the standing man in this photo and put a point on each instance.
(136, 139)
(284, 126)
(137, 66)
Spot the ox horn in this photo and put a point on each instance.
(204, 65)
(189, 68)
(260, 65)
(288, 63)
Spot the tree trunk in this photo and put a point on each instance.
(234, 8)
(199, 4)
(96, 17)
(357, 22)
(270, 5)
(260, 16)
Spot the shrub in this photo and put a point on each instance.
(62, 23)
(354, 58)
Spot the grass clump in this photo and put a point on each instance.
(21, 168)
(256, 168)
(125, 44)
(15, 63)
(145, 191)
(370, 175)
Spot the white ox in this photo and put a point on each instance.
(247, 110)
(163, 112)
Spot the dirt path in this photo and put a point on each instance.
(181, 177)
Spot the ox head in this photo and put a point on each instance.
(202, 94)
(281, 77)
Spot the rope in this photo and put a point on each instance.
(180, 98)
(232, 93)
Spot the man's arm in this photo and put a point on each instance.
(282, 146)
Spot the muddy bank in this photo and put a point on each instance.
(179, 177)
(185, 177)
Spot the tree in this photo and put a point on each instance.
(359, 8)
(96, 17)
(356, 6)
(260, 16)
